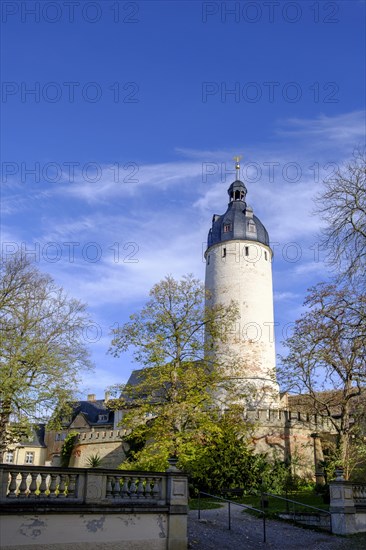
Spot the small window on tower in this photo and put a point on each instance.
(247, 250)
(251, 227)
(227, 227)
(208, 260)
(265, 255)
(224, 252)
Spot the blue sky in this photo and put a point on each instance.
(113, 166)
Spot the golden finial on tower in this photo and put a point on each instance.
(237, 159)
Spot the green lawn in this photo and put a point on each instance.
(275, 505)
(205, 504)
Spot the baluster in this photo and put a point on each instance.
(62, 486)
(13, 485)
(23, 485)
(124, 490)
(148, 487)
(119, 486)
(71, 487)
(133, 488)
(156, 488)
(53, 486)
(109, 487)
(116, 487)
(140, 488)
(43, 486)
(33, 485)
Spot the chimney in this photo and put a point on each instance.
(107, 396)
(91, 397)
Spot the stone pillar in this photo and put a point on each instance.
(177, 499)
(318, 458)
(4, 481)
(342, 506)
(95, 486)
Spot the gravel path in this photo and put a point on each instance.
(211, 533)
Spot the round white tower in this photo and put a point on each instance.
(239, 268)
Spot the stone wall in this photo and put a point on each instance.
(105, 444)
(286, 435)
(291, 437)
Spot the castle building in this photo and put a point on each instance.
(239, 269)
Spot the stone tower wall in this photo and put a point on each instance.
(242, 271)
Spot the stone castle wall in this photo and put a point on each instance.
(288, 436)
(105, 444)
(293, 437)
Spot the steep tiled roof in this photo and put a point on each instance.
(92, 412)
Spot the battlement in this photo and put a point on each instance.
(101, 436)
(283, 417)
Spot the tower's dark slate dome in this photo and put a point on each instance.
(238, 222)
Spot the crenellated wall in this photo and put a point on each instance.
(105, 444)
(290, 436)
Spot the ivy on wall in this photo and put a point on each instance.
(67, 448)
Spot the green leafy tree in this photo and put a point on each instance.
(226, 459)
(176, 399)
(42, 346)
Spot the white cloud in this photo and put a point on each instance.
(340, 129)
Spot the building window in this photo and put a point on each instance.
(224, 252)
(247, 250)
(227, 227)
(57, 437)
(29, 458)
(265, 255)
(251, 227)
(9, 457)
(103, 418)
(208, 260)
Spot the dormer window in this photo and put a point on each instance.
(103, 417)
(227, 227)
(251, 227)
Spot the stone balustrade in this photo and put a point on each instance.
(347, 506)
(359, 493)
(129, 487)
(91, 508)
(46, 483)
